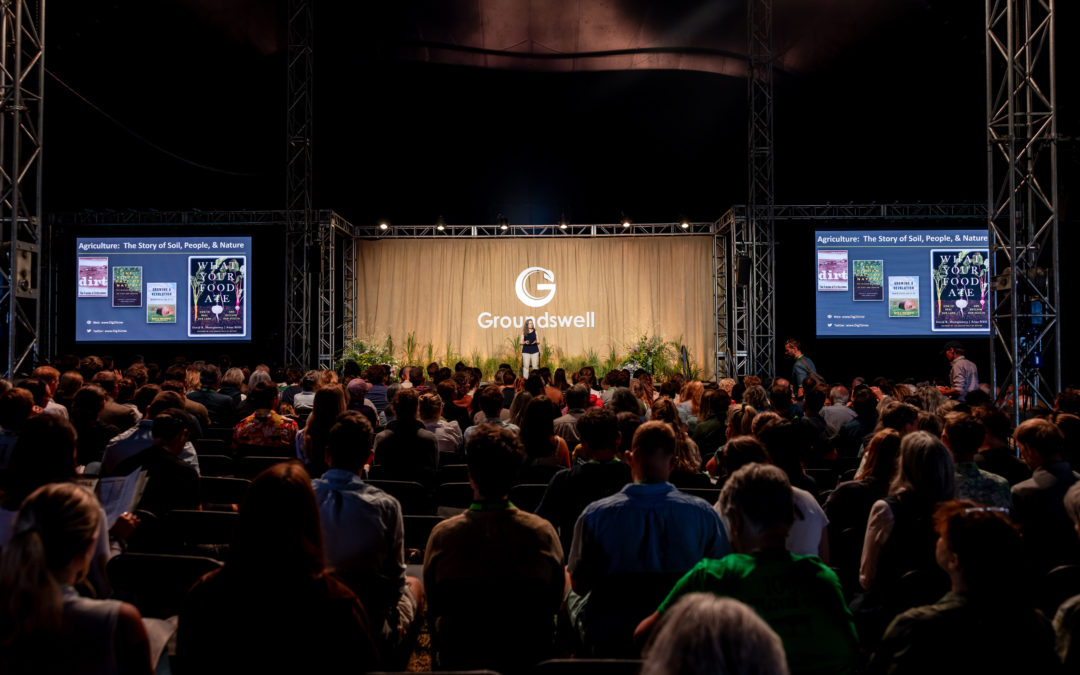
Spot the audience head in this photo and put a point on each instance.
(70, 383)
(44, 453)
(623, 400)
(164, 401)
(1039, 441)
(926, 469)
(903, 417)
(839, 395)
(705, 634)
(577, 397)
(233, 377)
(814, 399)
(740, 420)
(16, 406)
(757, 397)
(598, 429)
(758, 504)
(490, 399)
(278, 535)
(864, 402)
(49, 376)
(979, 548)
(430, 407)
(652, 453)
(210, 376)
(963, 435)
(495, 455)
(538, 428)
(350, 441)
(52, 542)
(264, 396)
(740, 451)
(881, 456)
(628, 425)
(87, 404)
(144, 396)
(171, 429)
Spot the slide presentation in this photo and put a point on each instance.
(899, 283)
(163, 289)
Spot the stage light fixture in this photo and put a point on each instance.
(626, 223)
(563, 222)
(504, 227)
(504, 224)
(440, 224)
(562, 226)
(383, 226)
(685, 225)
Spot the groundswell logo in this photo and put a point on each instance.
(545, 320)
(523, 292)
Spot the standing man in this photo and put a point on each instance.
(963, 374)
(803, 367)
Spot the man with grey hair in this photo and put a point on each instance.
(837, 413)
(798, 596)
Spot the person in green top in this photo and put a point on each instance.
(798, 596)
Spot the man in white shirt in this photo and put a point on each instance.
(447, 434)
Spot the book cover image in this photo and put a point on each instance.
(869, 282)
(218, 288)
(961, 289)
(127, 287)
(832, 270)
(160, 302)
(903, 297)
(93, 277)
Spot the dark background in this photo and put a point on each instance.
(895, 112)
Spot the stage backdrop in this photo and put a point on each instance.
(589, 293)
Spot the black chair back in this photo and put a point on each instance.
(216, 465)
(156, 583)
(453, 473)
(412, 495)
(218, 491)
(527, 496)
(249, 467)
(454, 495)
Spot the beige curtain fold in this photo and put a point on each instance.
(442, 289)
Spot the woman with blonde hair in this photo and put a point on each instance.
(686, 471)
(46, 626)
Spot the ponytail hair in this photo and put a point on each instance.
(56, 523)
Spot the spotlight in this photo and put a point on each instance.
(383, 226)
(440, 224)
(440, 227)
(562, 226)
(504, 224)
(562, 222)
(504, 227)
(626, 223)
(685, 225)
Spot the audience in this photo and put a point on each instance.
(274, 606)
(45, 626)
(405, 447)
(1039, 502)
(220, 407)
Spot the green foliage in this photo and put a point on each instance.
(489, 367)
(546, 352)
(367, 352)
(650, 353)
(450, 357)
(474, 358)
(430, 349)
(410, 348)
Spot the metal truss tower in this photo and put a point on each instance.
(22, 84)
(755, 336)
(1022, 201)
(301, 237)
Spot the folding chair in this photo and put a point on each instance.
(156, 583)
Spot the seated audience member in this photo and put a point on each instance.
(1039, 502)
(93, 433)
(787, 447)
(690, 403)
(493, 575)
(703, 634)
(854, 433)
(171, 483)
(646, 531)
(291, 385)
(363, 531)
(985, 623)
(310, 444)
(141, 436)
(45, 453)
(814, 429)
(963, 435)
(490, 400)
(848, 506)
(50, 377)
(70, 383)
(245, 407)
(798, 596)
(46, 627)
(808, 534)
(553, 393)
(711, 433)
(577, 398)
(996, 454)
(405, 448)
(447, 434)
(1070, 429)
(686, 472)
(16, 406)
(900, 532)
(274, 606)
(304, 399)
(600, 474)
(542, 447)
(837, 413)
(628, 426)
(220, 407)
(359, 402)
(231, 383)
(264, 428)
(194, 408)
(448, 392)
(120, 416)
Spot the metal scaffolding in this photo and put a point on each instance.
(22, 84)
(740, 290)
(303, 259)
(755, 238)
(1022, 201)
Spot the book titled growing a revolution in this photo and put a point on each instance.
(218, 288)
